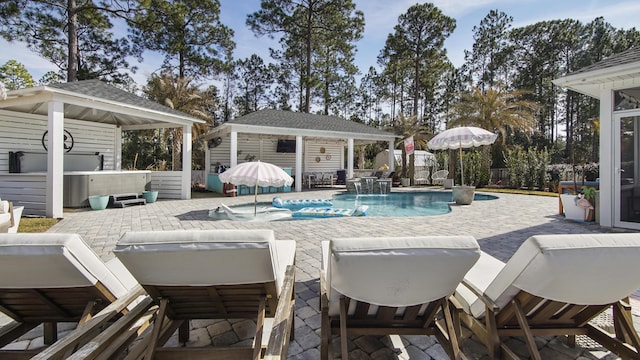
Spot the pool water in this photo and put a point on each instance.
(424, 203)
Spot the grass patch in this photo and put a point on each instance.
(35, 225)
(518, 191)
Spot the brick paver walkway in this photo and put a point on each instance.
(500, 226)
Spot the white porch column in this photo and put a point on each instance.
(207, 164)
(55, 160)
(233, 152)
(350, 158)
(607, 157)
(392, 157)
(117, 152)
(299, 154)
(187, 147)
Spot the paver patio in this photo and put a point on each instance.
(500, 226)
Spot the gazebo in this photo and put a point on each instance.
(306, 143)
(54, 136)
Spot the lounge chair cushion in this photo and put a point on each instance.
(51, 260)
(582, 269)
(205, 257)
(398, 272)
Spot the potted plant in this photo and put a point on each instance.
(589, 194)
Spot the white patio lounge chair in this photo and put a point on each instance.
(261, 213)
(50, 278)
(384, 286)
(555, 285)
(213, 274)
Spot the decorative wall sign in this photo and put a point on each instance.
(322, 150)
(317, 158)
(68, 140)
(328, 157)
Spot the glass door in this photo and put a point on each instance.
(627, 174)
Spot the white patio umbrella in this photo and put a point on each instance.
(256, 173)
(461, 138)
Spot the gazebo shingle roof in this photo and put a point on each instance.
(99, 89)
(305, 121)
(626, 57)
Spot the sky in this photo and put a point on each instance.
(380, 18)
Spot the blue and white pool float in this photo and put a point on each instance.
(328, 212)
(297, 204)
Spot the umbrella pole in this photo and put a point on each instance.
(461, 166)
(255, 200)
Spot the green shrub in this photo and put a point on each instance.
(527, 168)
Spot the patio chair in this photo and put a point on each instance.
(421, 177)
(555, 285)
(439, 177)
(50, 278)
(213, 274)
(385, 286)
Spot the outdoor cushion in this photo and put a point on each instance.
(396, 272)
(582, 269)
(51, 260)
(325, 212)
(205, 257)
(296, 204)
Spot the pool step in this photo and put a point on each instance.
(128, 199)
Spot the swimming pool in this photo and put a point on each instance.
(424, 203)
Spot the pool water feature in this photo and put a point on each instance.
(424, 203)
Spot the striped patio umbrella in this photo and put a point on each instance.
(462, 138)
(256, 173)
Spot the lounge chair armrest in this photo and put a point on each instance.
(80, 334)
(283, 321)
(481, 295)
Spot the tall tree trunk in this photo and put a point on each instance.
(307, 94)
(181, 65)
(326, 98)
(72, 32)
(416, 85)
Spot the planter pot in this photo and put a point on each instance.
(98, 202)
(463, 195)
(571, 210)
(405, 182)
(150, 196)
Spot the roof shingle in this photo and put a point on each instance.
(99, 89)
(305, 121)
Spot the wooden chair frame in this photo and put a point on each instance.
(179, 304)
(386, 322)
(527, 315)
(91, 307)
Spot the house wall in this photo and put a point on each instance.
(330, 160)
(28, 190)
(167, 183)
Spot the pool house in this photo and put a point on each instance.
(615, 81)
